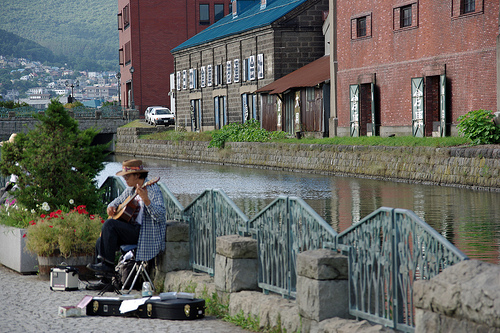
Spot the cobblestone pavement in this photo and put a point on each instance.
(28, 305)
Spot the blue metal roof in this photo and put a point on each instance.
(251, 18)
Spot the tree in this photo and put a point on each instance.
(55, 163)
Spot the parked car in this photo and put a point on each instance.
(147, 113)
(161, 116)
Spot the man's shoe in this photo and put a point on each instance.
(101, 268)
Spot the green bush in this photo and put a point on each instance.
(478, 127)
(55, 163)
(247, 132)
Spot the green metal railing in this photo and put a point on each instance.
(21, 112)
(283, 229)
(210, 215)
(111, 111)
(108, 111)
(388, 251)
(172, 205)
(111, 188)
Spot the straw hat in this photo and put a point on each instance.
(131, 166)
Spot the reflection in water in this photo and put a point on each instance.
(467, 218)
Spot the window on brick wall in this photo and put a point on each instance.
(204, 14)
(126, 16)
(361, 26)
(405, 16)
(127, 55)
(467, 7)
(218, 11)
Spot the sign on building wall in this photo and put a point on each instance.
(296, 109)
(209, 75)
(417, 106)
(191, 78)
(354, 109)
(279, 111)
(229, 73)
(260, 66)
(203, 75)
(236, 70)
(251, 68)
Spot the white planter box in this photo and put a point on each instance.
(13, 253)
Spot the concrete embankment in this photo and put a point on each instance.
(474, 167)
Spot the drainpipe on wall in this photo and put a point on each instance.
(498, 63)
(333, 69)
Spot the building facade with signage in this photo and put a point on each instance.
(218, 71)
(147, 31)
(413, 68)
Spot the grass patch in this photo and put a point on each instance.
(401, 141)
(172, 135)
(396, 141)
(137, 123)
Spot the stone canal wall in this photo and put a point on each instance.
(474, 167)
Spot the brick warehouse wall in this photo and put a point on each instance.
(287, 45)
(155, 28)
(471, 167)
(440, 40)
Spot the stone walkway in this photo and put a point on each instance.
(28, 305)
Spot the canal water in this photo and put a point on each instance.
(469, 219)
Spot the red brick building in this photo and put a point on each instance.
(412, 67)
(148, 30)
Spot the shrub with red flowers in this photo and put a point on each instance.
(65, 234)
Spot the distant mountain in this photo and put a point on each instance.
(84, 32)
(18, 47)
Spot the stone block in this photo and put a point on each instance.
(467, 291)
(232, 275)
(237, 247)
(322, 264)
(175, 257)
(177, 232)
(322, 299)
(271, 310)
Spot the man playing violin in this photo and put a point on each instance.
(146, 227)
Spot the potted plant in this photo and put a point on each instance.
(63, 237)
(14, 219)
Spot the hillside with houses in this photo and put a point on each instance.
(34, 83)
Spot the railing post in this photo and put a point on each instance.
(213, 247)
(395, 269)
(288, 246)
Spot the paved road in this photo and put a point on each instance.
(28, 305)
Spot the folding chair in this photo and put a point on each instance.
(140, 268)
